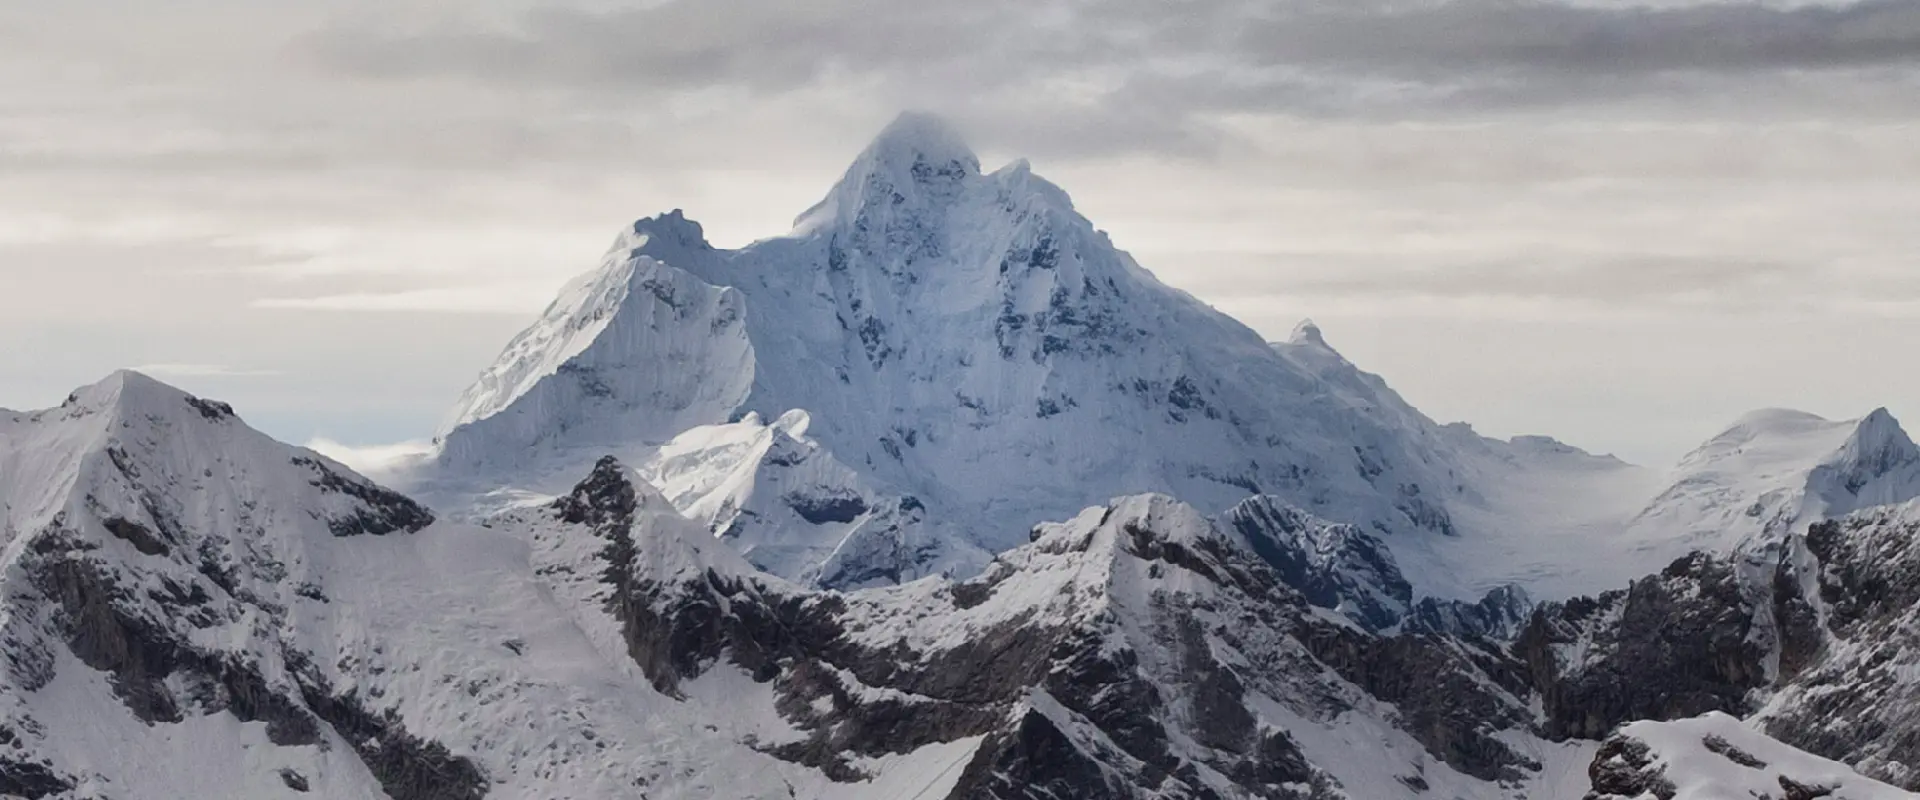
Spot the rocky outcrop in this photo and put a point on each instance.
(1678, 644)
(1499, 616)
(1625, 769)
(1813, 636)
(1718, 756)
(1455, 697)
(1858, 702)
(1334, 566)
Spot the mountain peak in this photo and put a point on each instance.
(1877, 445)
(134, 394)
(918, 160)
(1307, 332)
(919, 135)
(670, 237)
(1880, 420)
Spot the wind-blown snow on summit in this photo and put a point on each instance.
(964, 341)
(971, 356)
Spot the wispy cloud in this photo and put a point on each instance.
(203, 371)
(516, 298)
(375, 461)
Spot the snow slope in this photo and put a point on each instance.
(968, 340)
(1717, 756)
(192, 609)
(1773, 473)
(972, 356)
(782, 499)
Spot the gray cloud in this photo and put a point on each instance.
(1119, 60)
(334, 190)
(1421, 40)
(1620, 281)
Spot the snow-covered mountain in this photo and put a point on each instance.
(193, 609)
(959, 341)
(941, 495)
(953, 356)
(1776, 472)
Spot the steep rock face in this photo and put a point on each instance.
(1816, 644)
(1858, 701)
(964, 339)
(158, 556)
(1335, 566)
(1681, 643)
(1499, 616)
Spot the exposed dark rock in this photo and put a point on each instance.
(1334, 566)
(211, 409)
(1716, 744)
(1802, 637)
(1448, 693)
(105, 633)
(1855, 701)
(1110, 690)
(1037, 761)
(381, 511)
(1624, 769)
(293, 779)
(1796, 790)
(1678, 644)
(407, 766)
(1498, 617)
(137, 535)
(821, 510)
(31, 780)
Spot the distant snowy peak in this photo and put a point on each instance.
(1877, 462)
(1307, 333)
(1776, 471)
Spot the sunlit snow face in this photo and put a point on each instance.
(1616, 227)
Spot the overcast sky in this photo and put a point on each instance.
(1621, 225)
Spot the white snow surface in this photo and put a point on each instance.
(1773, 473)
(789, 506)
(1699, 773)
(470, 636)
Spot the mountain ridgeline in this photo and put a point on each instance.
(941, 495)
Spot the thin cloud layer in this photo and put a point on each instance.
(166, 371)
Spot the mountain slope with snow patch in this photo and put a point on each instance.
(965, 339)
